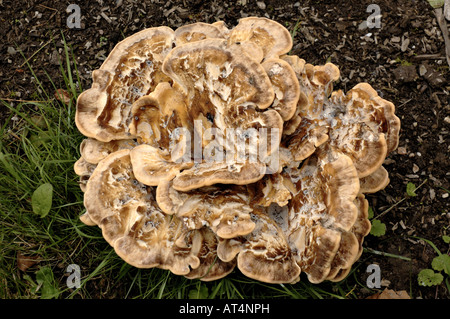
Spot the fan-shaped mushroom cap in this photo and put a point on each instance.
(273, 188)
(222, 26)
(272, 37)
(211, 73)
(196, 32)
(132, 223)
(316, 85)
(327, 184)
(93, 151)
(307, 129)
(207, 174)
(286, 87)
(345, 256)
(226, 210)
(161, 119)
(83, 169)
(209, 148)
(362, 225)
(86, 219)
(225, 86)
(211, 267)
(374, 182)
(132, 69)
(356, 130)
(343, 261)
(381, 112)
(152, 165)
(265, 255)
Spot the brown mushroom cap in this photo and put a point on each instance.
(342, 266)
(83, 169)
(316, 85)
(327, 184)
(196, 32)
(159, 116)
(355, 130)
(223, 72)
(222, 26)
(346, 255)
(93, 151)
(307, 129)
(286, 87)
(225, 86)
(132, 223)
(226, 210)
(86, 219)
(209, 148)
(132, 69)
(207, 174)
(211, 267)
(265, 255)
(152, 165)
(374, 182)
(383, 113)
(272, 37)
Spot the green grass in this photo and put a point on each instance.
(39, 144)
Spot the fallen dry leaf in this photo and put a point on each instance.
(390, 294)
(25, 262)
(62, 95)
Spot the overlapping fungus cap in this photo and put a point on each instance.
(167, 119)
(131, 70)
(140, 232)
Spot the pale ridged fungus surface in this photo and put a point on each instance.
(209, 148)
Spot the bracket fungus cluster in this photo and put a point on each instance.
(209, 148)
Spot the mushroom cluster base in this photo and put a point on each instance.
(211, 148)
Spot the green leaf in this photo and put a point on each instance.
(46, 282)
(378, 228)
(436, 3)
(446, 239)
(441, 262)
(411, 189)
(370, 213)
(427, 277)
(41, 200)
(200, 293)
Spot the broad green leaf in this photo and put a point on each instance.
(411, 189)
(427, 277)
(436, 3)
(200, 293)
(378, 228)
(441, 262)
(370, 213)
(46, 282)
(446, 239)
(41, 200)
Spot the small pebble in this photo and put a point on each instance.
(401, 150)
(261, 5)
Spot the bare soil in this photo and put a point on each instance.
(403, 59)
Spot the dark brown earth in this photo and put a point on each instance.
(404, 60)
